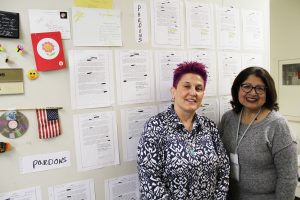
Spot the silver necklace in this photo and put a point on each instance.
(191, 148)
(190, 143)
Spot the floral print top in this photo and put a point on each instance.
(176, 164)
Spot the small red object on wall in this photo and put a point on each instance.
(48, 51)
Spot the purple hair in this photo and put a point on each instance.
(189, 67)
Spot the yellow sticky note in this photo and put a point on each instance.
(107, 4)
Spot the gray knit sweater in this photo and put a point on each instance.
(267, 158)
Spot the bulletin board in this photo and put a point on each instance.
(54, 89)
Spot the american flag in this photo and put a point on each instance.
(48, 123)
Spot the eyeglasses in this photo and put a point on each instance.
(258, 89)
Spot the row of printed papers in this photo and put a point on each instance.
(91, 74)
(76, 190)
(33, 193)
(168, 22)
(123, 187)
(167, 25)
(102, 27)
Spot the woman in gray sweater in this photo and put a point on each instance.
(263, 153)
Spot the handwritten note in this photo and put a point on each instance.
(9, 24)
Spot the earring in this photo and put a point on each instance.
(173, 99)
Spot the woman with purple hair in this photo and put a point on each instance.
(180, 154)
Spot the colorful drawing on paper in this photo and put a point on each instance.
(48, 48)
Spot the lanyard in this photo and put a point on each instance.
(238, 129)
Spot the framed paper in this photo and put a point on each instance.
(289, 87)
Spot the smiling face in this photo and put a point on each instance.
(188, 94)
(251, 100)
(32, 74)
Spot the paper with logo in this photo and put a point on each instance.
(11, 81)
(48, 51)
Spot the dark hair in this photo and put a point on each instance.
(271, 95)
(189, 67)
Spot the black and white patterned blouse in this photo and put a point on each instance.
(176, 164)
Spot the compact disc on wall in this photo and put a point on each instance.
(13, 124)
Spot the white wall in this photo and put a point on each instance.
(285, 42)
(285, 45)
(52, 89)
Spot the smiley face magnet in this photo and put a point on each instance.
(32, 74)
